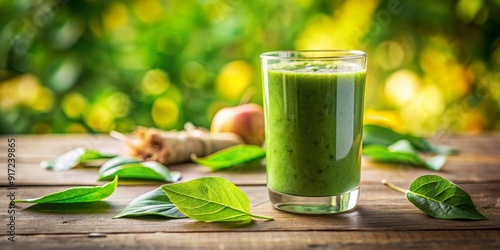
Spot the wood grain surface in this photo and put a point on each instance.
(456, 239)
(470, 166)
(383, 219)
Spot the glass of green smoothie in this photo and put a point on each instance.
(313, 106)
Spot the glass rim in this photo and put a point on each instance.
(331, 54)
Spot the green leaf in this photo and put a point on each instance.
(443, 150)
(378, 135)
(211, 199)
(154, 203)
(374, 134)
(117, 161)
(76, 194)
(403, 152)
(127, 168)
(73, 158)
(231, 156)
(442, 199)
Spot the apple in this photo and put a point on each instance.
(245, 120)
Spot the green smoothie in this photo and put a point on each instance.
(314, 119)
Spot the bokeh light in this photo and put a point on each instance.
(74, 104)
(165, 113)
(402, 87)
(148, 11)
(233, 79)
(155, 82)
(115, 16)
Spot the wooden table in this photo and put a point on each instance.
(383, 218)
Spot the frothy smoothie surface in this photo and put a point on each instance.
(313, 127)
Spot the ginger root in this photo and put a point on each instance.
(172, 147)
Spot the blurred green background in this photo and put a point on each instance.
(95, 66)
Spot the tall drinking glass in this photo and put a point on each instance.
(313, 106)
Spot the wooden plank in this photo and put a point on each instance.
(379, 209)
(482, 239)
(486, 143)
(48, 147)
(34, 148)
(31, 150)
(59, 139)
(467, 167)
(33, 174)
(59, 143)
(463, 168)
(459, 169)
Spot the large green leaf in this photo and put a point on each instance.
(117, 161)
(211, 199)
(127, 168)
(403, 152)
(73, 158)
(231, 156)
(374, 134)
(441, 198)
(155, 203)
(76, 194)
(379, 135)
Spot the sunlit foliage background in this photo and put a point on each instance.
(95, 66)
